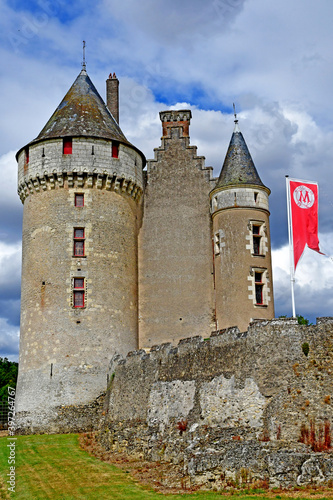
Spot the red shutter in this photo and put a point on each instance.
(67, 146)
(115, 149)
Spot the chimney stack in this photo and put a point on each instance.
(172, 119)
(112, 96)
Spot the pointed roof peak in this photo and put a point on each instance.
(238, 167)
(82, 112)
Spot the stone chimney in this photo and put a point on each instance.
(175, 118)
(112, 95)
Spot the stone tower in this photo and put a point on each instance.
(241, 237)
(175, 250)
(81, 183)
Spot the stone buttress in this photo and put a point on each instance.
(81, 183)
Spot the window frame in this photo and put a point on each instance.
(78, 239)
(259, 287)
(79, 291)
(76, 196)
(256, 239)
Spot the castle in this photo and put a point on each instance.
(117, 258)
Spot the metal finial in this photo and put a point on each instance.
(84, 55)
(235, 114)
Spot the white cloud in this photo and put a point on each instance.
(313, 281)
(274, 60)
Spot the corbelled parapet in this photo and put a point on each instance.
(176, 119)
(89, 165)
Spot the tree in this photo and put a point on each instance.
(8, 376)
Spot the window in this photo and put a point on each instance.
(258, 283)
(79, 200)
(78, 292)
(67, 146)
(217, 243)
(256, 239)
(115, 149)
(78, 242)
(26, 155)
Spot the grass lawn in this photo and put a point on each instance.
(54, 467)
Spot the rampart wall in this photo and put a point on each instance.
(233, 407)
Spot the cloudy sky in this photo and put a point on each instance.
(273, 59)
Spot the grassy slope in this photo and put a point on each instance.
(54, 467)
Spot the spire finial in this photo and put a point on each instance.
(236, 129)
(235, 114)
(84, 56)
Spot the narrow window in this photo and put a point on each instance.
(79, 200)
(26, 152)
(78, 292)
(259, 287)
(67, 146)
(217, 243)
(256, 239)
(78, 242)
(115, 149)
(255, 197)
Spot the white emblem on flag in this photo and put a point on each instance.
(304, 197)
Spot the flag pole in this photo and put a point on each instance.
(291, 253)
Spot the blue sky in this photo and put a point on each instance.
(273, 59)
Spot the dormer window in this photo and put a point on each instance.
(67, 146)
(115, 149)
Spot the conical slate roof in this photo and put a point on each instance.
(82, 112)
(238, 167)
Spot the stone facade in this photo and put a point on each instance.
(175, 249)
(149, 272)
(234, 405)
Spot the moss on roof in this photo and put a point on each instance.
(238, 166)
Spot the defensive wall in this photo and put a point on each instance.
(234, 407)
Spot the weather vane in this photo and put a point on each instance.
(84, 55)
(235, 114)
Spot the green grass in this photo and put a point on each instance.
(54, 467)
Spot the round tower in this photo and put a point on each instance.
(80, 182)
(241, 240)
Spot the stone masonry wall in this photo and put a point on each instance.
(233, 407)
(175, 246)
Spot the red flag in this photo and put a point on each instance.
(304, 217)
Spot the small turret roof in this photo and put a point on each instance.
(238, 167)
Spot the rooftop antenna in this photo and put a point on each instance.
(84, 56)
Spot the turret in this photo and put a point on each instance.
(81, 183)
(241, 240)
